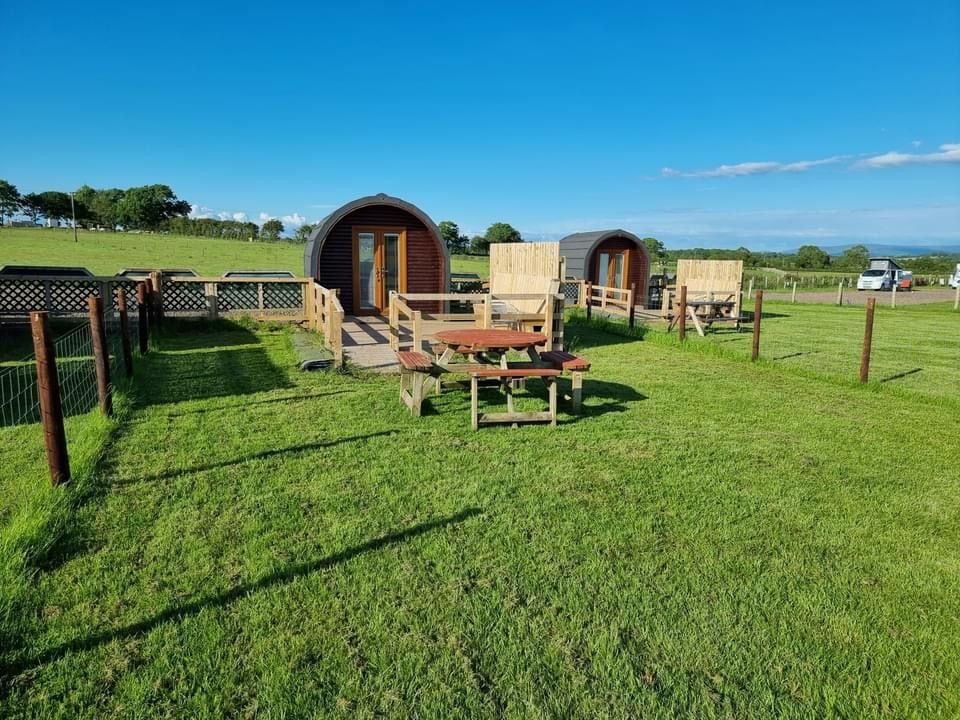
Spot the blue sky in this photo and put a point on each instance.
(714, 124)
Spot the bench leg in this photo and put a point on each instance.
(418, 383)
(552, 392)
(576, 379)
(474, 404)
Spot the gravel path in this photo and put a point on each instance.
(855, 297)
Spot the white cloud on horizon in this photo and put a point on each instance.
(948, 153)
(754, 168)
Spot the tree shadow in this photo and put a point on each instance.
(179, 334)
(229, 407)
(279, 578)
(274, 452)
(615, 397)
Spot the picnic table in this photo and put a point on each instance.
(703, 313)
(486, 346)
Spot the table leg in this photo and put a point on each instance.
(553, 401)
(692, 312)
(474, 404)
(576, 379)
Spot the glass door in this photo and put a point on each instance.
(379, 268)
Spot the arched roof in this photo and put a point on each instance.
(311, 253)
(576, 248)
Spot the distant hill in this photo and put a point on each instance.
(897, 250)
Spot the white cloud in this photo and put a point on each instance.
(753, 168)
(948, 153)
(294, 220)
(197, 212)
(916, 143)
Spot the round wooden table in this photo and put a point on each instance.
(479, 340)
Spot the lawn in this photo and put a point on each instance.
(104, 253)
(710, 539)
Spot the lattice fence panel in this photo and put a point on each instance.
(237, 296)
(20, 296)
(283, 296)
(70, 296)
(187, 298)
(570, 292)
(131, 287)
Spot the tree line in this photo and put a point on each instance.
(460, 244)
(148, 207)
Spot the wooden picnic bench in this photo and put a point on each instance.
(572, 364)
(415, 369)
(507, 376)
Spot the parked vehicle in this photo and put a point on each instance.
(955, 278)
(904, 280)
(875, 280)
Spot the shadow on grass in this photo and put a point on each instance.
(282, 577)
(274, 452)
(227, 407)
(220, 368)
(899, 375)
(795, 354)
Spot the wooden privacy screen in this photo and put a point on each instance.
(703, 277)
(529, 268)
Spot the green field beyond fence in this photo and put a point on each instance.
(106, 253)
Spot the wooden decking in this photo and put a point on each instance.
(366, 341)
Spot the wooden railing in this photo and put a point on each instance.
(325, 314)
(609, 299)
(541, 311)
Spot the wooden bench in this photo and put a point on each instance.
(507, 376)
(415, 369)
(572, 364)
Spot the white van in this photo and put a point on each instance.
(955, 278)
(875, 279)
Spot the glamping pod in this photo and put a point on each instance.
(610, 258)
(374, 245)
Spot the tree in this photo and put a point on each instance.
(855, 257)
(655, 247)
(32, 206)
(479, 245)
(106, 207)
(810, 257)
(501, 232)
(9, 199)
(271, 229)
(450, 232)
(303, 232)
(55, 205)
(150, 207)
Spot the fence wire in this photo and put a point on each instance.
(19, 398)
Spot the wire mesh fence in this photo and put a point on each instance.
(19, 397)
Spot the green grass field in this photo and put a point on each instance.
(711, 538)
(107, 253)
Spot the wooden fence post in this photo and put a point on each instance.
(793, 297)
(143, 317)
(893, 296)
(417, 331)
(750, 291)
(682, 309)
(757, 315)
(101, 356)
(867, 341)
(840, 294)
(51, 409)
(125, 331)
(633, 301)
(582, 299)
(665, 305)
(589, 295)
(156, 296)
